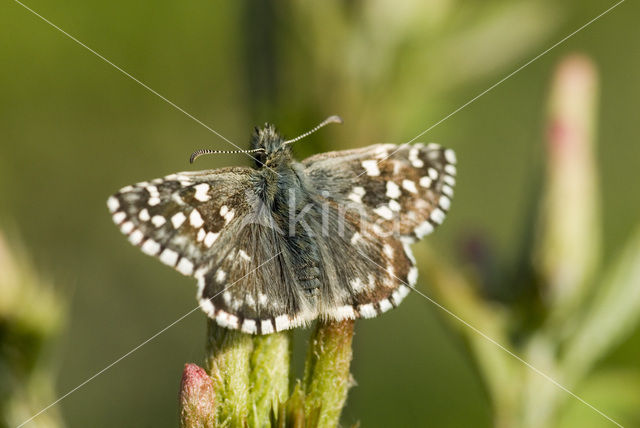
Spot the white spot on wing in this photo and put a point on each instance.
(201, 234)
(394, 205)
(119, 217)
(185, 266)
(144, 215)
(229, 216)
(195, 219)
(385, 305)
(409, 186)
(207, 307)
(224, 210)
(226, 296)
(169, 257)
(367, 311)
(282, 322)
(244, 255)
(450, 169)
(202, 192)
(136, 237)
(424, 229)
(412, 276)
(404, 291)
(158, 220)
(449, 180)
(266, 327)
(393, 190)
(356, 194)
(371, 167)
(113, 204)
(425, 182)
(226, 319)
(177, 219)
(416, 162)
(220, 275)
(210, 239)
(432, 173)
(150, 247)
(126, 227)
(384, 212)
(343, 313)
(444, 202)
(450, 156)
(437, 215)
(447, 190)
(249, 326)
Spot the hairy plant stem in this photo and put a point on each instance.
(250, 374)
(228, 364)
(326, 374)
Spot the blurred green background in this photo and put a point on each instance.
(73, 130)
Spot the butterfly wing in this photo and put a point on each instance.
(210, 225)
(404, 189)
(388, 196)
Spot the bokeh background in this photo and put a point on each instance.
(73, 130)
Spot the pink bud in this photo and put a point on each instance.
(197, 398)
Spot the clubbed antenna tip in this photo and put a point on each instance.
(330, 119)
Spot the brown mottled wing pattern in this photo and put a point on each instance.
(208, 225)
(390, 195)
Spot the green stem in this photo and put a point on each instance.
(269, 376)
(227, 361)
(326, 378)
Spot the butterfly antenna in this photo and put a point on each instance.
(330, 119)
(195, 155)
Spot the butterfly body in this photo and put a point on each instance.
(285, 242)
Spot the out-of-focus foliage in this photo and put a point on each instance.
(31, 316)
(575, 312)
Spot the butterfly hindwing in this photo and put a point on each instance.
(372, 279)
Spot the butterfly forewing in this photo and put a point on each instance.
(405, 190)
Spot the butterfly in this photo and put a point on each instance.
(283, 243)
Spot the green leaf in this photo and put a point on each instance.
(613, 314)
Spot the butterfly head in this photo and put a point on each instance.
(269, 146)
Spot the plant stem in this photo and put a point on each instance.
(326, 378)
(227, 361)
(269, 376)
